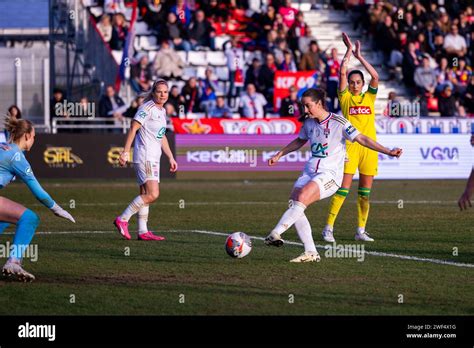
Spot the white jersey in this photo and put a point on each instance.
(328, 144)
(148, 140)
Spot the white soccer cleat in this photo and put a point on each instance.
(363, 236)
(274, 239)
(13, 270)
(328, 235)
(307, 256)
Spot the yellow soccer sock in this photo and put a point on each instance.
(335, 206)
(363, 206)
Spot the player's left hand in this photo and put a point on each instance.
(58, 211)
(173, 165)
(357, 53)
(464, 201)
(396, 152)
(274, 160)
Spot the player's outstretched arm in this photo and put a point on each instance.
(374, 82)
(293, 146)
(167, 150)
(373, 145)
(132, 132)
(465, 198)
(345, 63)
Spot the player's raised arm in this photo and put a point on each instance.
(374, 82)
(371, 144)
(345, 63)
(132, 132)
(293, 146)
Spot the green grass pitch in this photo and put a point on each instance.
(89, 271)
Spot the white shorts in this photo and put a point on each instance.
(147, 171)
(327, 182)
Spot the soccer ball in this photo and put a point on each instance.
(238, 245)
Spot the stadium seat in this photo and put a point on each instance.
(197, 58)
(222, 73)
(220, 40)
(148, 43)
(201, 72)
(189, 71)
(141, 28)
(183, 56)
(216, 58)
(96, 11)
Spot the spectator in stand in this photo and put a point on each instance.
(191, 94)
(174, 31)
(455, 44)
(279, 51)
(297, 30)
(268, 19)
(56, 109)
(444, 75)
(154, 13)
(288, 63)
(332, 79)
(177, 101)
(182, 11)
(235, 63)
(119, 32)
(447, 104)
(444, 22)
(439, 50)
(251, 76)
(105, 28)
(279, 25)
(409, 65)
(133, 108)
(462, 74)
(311, 60)
(168, 64)
(14, 111)
(252, 103)
(290, 106)
(409, 26)
(430, 34)
(201, 32)
(266, 77)
(421, 43)
(425, 79)
(470, 53)
(110, 104)
(304, 42)
(141, 74)
(288, 13)
(386, 37)
(468, 98)
(209, 85)
(220, 110)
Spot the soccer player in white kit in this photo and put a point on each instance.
(148, 130)
(323, 173)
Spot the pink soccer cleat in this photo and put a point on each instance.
(149, 236)
(122, 227)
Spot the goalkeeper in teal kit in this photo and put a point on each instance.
(14, 164)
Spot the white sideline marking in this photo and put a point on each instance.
(373, 253)
(101, 204)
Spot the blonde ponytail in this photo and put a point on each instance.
(17, 127)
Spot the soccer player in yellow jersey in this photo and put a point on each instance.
(358, 108)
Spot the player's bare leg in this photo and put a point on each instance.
(335, 206)
(150, 191)
(363, 206)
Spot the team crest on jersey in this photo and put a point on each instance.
(360, 110)
(319, 150)
(141, 114)
(28, 171)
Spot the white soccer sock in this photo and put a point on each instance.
(303, 228)
(143, 219)
(132, 208)
(290, 217)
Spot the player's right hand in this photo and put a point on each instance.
(396, 152)
(272, 161)
(465, 200)
(58, 211)
(123, 159)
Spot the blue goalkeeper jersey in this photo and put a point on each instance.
(14, 164)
